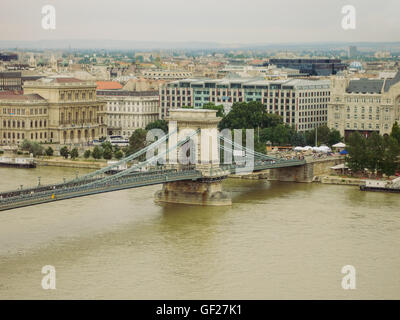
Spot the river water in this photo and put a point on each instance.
(277, 241)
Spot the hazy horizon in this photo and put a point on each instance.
(251, 22)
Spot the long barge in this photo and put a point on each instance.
(17, 162)
(392, 186)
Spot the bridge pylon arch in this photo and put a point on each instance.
(202, 153)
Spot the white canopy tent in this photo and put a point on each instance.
(339, 145)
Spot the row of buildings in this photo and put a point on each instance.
(67, 110)
(72, 111)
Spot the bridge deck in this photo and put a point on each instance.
(84, 190)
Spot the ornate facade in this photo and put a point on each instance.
(75, 115)
(127, 111)
(53, 110)
(364, 105)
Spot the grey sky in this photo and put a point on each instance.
(225, 21)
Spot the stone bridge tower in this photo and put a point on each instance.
(201, 153)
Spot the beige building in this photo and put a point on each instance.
(127, 111)
(364, 105)
(23, 117)
(56, 110)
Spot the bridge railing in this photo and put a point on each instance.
(155, 176)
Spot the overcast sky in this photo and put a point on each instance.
(224, 21)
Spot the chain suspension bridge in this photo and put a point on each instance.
(198, 182)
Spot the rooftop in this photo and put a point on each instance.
(20, 97)
(372, 85)
(108, 85)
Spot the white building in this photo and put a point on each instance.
(127, 111)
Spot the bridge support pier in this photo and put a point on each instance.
(205, 192)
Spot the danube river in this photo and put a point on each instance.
(277, 240)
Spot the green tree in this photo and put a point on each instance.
(390, 161)
(357, 157)
(64, 152)
(281, 134)
(107, 144)
(74, 153)
(334, 137)
(49, 151)
(32, 147)
(107, 153)
(325, 136)
(119, 154)
(219, 108)
(137, 141)
(97, 152)
(298, 140)
(158, 124)
(396, 132)
(375, 150)
(249, 115)
(87, 154)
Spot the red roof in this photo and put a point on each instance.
(108, 85)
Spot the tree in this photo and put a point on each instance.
(396, 132)
(219, 108)
(278, 135)
(298, 140)
(49, 151)
(97, 152)
(357, 157)
(374, 152)
(334, 137)
(107, 144)
(281, 134)
(107, 153)
(87, 154)
(325, 136)
(390, 161)
(158, 124)
(32, 147)
(119, 154)
(74, 153)
(137, 141)
(249, 115)
(64, 152)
